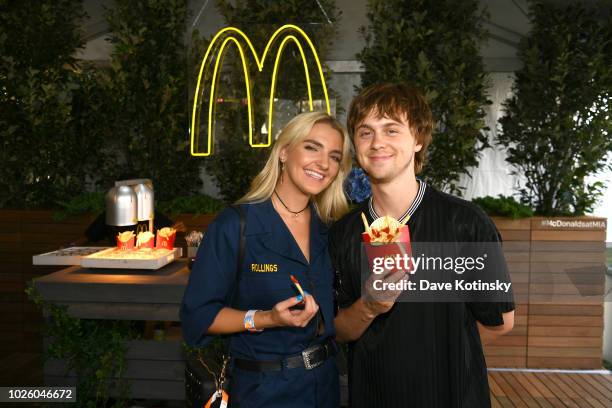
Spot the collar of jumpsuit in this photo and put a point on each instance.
(265, 219)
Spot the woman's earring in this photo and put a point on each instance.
(282, 171)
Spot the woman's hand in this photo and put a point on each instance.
(282, 315)
(230, 320)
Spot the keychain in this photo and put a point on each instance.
(219, 393)
(219, 383)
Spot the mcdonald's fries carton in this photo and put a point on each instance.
(145, 239)
(387, 238)
(165, 238)
(125, 240)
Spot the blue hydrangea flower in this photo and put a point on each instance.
(357, 185)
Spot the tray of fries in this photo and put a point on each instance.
(140, 258)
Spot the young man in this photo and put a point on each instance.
(409, 354)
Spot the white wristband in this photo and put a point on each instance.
(249, 321)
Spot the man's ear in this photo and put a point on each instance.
(418, 147)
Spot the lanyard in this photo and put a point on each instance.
(219, 393)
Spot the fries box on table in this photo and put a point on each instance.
(399, 245)
(145, 239)
(125, 240)
(165, 238)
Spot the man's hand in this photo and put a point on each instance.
(381, 301)
(489, 333)
(352, 322)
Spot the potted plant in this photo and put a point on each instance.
(556, 130)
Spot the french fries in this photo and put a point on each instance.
(125, 236)
(145, 239)
(383, 230)
(166, 232)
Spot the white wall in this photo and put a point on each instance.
(492, 176)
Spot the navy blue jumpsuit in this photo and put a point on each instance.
(271, 255)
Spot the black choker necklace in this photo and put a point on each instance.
(295, 213)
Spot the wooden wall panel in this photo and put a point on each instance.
(558, 272)
(155, 370)
(566, 291)
(511, 350)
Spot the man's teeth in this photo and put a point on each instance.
(314, 174)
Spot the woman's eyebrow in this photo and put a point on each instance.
(319, 144)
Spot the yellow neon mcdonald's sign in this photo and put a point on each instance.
(217, 47)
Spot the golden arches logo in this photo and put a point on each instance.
(217, 47)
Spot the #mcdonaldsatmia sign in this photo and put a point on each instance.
(215, 52)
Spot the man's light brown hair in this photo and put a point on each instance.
(400, 102)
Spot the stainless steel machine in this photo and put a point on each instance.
(130, 205)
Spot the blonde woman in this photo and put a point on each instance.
(279, 312)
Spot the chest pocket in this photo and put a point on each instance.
(265, 282)
(263, 263)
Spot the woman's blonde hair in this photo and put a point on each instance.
(331, 203)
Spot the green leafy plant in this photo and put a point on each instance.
(197, 204)
(67, 127)
(45, 155)
(234, 162)
(93, 203)
(147, 84)
(435, 45)
(94, 350)
(557, 125)
(88, 203)
(503, 206)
